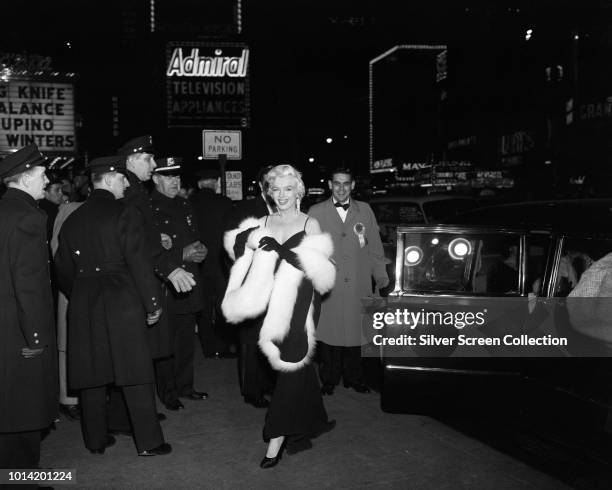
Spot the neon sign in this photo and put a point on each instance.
(195, 65)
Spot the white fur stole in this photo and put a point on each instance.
(253, 286)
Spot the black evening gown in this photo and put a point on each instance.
(296, 408)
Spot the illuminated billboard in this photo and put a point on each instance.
(207, 85)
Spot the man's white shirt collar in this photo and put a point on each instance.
(341, 211)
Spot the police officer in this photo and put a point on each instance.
(28, 362)
(139, 160)
(104, 268)
(179, 230)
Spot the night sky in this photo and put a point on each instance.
(309, 64)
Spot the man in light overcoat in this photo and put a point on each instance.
(359, 257)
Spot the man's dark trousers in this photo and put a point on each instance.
(174, 374)
(140, 402)
(337, 362)
(20, 449)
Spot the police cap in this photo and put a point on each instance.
(168, 166)
(142, 144)
(103, 165)
(21, 161)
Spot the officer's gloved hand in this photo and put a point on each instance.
(182, 280)
(31, 353)
(268, 244)
(195, 252)
(241, 240)
(153, 317)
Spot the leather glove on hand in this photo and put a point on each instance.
(153, 317)
(241, 240)
(195, 252)
(31, 353)
(182, 280)
(268, 244)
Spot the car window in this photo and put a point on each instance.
(483, 264)
(538, 250)
(447, 208)
(577, 256)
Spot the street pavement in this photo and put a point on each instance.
(217, 443)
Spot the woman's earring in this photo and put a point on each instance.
(297, 204)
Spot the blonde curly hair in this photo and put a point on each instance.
(286, 171)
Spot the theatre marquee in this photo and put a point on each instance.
(37, 112)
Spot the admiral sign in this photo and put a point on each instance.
(37, 112)
(207, 84)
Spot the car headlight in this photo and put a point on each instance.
(459, 248)
(413, 255)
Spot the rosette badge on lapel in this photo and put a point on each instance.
(359, 230)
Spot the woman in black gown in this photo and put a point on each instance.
(281, 260)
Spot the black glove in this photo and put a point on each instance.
(241, 240)
(268, 244)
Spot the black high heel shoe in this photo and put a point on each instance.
(271, 462)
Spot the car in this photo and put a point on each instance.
(518, 265)
(394, 211)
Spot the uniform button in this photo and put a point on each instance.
(166, 222)
(343, 234)
(346, 257)
(173, 236)
(346, 279)
(80, 270)
(36, 341)
(35, 334)
(77, 252)
(97, 269)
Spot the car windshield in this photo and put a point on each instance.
(447, 208)
(486, 263)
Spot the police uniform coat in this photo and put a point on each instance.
(177, 220)
(28, 387)
(340, 320)
(164, 261)
(104, 267)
